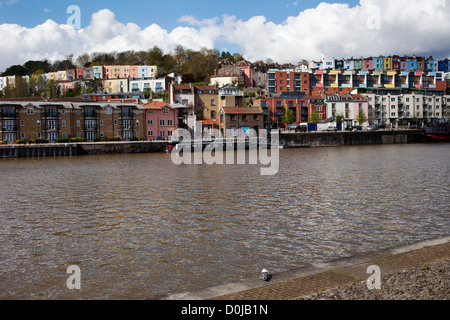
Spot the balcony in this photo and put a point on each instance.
(8, 114)
(51, 114)
(9, 129)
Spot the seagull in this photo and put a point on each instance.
(265, 275)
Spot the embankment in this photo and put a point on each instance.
(346, 138)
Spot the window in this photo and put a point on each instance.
(213, 114)
(169, 122)
(149, 122)
(108, 111)
(78, 123)
(101, 122)
(162, 134)
(213, 102)
(30, 110)
(166, 110)
(232, 117)
(150, 133)
(22, 123)
(63, 123)
(161, 122)
(150, 111)
(169, 133)
(256, 117)
(22, 135)
(115, 122)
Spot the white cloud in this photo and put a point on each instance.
(329, 30)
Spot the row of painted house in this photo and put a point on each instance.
(394, 62)
(127, 116)
(344, 81)
(131, 115)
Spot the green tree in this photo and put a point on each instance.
(361, 117)
(93, 86)
(288, 117)
(52, 90)
(15, 70)
(37, 83)
(339, 118)
(315, 116)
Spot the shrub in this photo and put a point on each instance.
(20, 141)
(2, 142)
(77, 139)
(39, 141)
(62, 140)
(110, 139)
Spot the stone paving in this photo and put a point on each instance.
(389, 263)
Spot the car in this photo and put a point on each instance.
(331, 129)
(414, 126)
(382, 126)
(372, 128)
(301, 128)
(354, 128)
(292, 126)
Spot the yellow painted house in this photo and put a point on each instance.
(387, 63)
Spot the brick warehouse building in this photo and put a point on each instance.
(239, 120)
(52, 119)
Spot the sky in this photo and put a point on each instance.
(283, 31)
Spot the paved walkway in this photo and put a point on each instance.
(323, 276)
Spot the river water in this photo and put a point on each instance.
(139, 226)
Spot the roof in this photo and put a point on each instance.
(156, 105)
(316, 97)
(241, 110)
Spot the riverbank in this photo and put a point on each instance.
(430, 281)
(415, 271)
(287, 140)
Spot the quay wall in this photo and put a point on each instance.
(287, 140)
(346, 138)
(73, 149)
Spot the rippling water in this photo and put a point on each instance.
(139, 226)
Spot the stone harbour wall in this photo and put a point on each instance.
(346, 138)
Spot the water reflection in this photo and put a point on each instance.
(138, 226)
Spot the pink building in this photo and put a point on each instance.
(246, 71)
(134, 72)
(162, 120)
(368, 64)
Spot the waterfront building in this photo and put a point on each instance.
(274, 108)
(230, 96)
(207, 105)
(162, 119)
(53, 119)
(347, 105)
(238, 120)
(290, 80)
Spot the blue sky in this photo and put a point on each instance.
(283, 31)
(30, 13)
